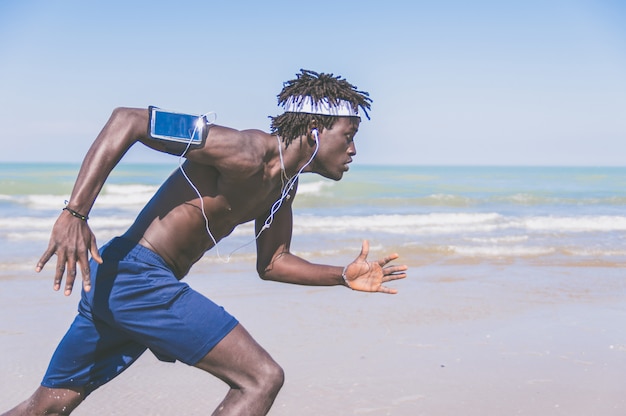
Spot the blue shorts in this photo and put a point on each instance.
(135, 303)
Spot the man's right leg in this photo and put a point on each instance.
(47, 401)
(86, 358)
(253, 376)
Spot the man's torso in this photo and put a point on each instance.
(242, 188)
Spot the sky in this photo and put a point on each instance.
(453, 82)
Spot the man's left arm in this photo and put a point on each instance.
(275, 261)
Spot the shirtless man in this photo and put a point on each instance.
(133, 298)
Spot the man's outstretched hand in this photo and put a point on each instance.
(369, 276)
(71, 240)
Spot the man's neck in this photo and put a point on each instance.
(296, 156)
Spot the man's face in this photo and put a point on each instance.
(336, 148)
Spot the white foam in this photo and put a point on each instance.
(527, 199)
(447, 200)
(312, 188)
(129, 189)
(415, 224)
(506, 239)
(44, 201)
(448, 223)
(501, 251)
(26, 223)
(576, 224)
(124, 196)
(402, 224)
(594, 252)
(28, 236)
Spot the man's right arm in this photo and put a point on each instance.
(71, 236)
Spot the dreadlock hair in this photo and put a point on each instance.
(290, 126)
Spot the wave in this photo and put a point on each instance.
(432, 237)
(129, 196)
(439, 223)
(504, 251)
(449, 223)
(585, 223)
(501, 251)
(112, 196)
(448, 200)
(313, 188)
(313, 193)
(516, 200)
(506, 239)
(29, 228)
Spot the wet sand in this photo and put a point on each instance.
(469, 339)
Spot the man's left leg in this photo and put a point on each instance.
(253, 376)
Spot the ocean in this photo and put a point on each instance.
(515, 289)
(563, 216)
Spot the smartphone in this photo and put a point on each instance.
(177, 127)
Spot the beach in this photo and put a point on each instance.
(499, 341)
(513, 304)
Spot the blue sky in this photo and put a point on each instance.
(453, 82)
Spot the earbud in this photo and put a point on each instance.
(315, 134)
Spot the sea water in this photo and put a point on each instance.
(573, 216)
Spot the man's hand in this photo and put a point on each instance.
(70, 240)
(370, 276)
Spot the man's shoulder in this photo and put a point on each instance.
(249, 140)
(229, 132)
(234, 151)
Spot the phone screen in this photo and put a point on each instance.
(178, 127)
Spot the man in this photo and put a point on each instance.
(132, 296)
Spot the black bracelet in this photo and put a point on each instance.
(76, 214)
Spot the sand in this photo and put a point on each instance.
(459, 339)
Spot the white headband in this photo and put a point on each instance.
(305, 104)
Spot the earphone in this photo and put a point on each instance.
(287, 187)
(197, 126)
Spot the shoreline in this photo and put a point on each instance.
(485, 339)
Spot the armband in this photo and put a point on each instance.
(172, 126)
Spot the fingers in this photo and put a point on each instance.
(72, 243)
(365, 250)
(44, 259)
(387, 290)
(395, 270)
(67, 265)
(388, 259)
(59, 272)
(70, 277)
(83, 261)
(93, 250)
(389, 274)
(392, 277)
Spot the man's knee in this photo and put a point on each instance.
(273, 377)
